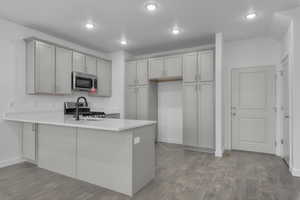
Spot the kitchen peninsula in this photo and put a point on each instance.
(116, 154)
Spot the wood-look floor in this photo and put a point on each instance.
(181, 175)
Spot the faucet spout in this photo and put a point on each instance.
(77, 106)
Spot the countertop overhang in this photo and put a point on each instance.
(59, 119)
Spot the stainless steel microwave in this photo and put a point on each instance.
(83, 81)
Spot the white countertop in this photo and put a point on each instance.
(59, 119)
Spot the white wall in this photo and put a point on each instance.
(246, 53)
(12, 84)
(170, 112)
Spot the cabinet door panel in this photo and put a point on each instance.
(57, 149)
(142, 72)
(206, 115)
(104, 75)
(156, 68)
(173, 66)
(131, 76)
(143, 103)
(206, 65)
(28, 141)
(190, 67)
(45, 68)
(91, 65)
(190, 133)
(78, 62)
(131, 100)
(63, 71)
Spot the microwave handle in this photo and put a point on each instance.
(95, 83)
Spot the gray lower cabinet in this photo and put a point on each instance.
(40, 67)
(120, 161)
(103, 151)
(29, 135)
(141, 102)
(190, 115)
(57, 149)
(63, 70)
(198, 115)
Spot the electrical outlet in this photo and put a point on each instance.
(137, 140)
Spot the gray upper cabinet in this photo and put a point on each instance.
(91, 65)
(173, 66)
(206, 66)
(131, 79)
(79, 62)
(156, 68)
(137, 73)
(63, 70)
(165, 68)
(40, 68)
(190, 67)
(198, 66)
(131, 103)
(104, 78)
(142, 72)
(49, 68)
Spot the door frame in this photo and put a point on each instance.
(229, 104)
(286, 59)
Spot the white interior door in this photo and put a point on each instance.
(285, 109)
(252, 109)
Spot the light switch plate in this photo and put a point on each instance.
(137, 140)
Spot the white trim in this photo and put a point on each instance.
(169, 140)
(173, 52)
(219, 153)
(9, 162)
(295, 172)
(219, 128)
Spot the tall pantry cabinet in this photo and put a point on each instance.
(198, 99)
(141, 95)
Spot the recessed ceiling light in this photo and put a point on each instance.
(176, 30)
(151, 6)
(89, 26)
(123, 42)
(251, 16)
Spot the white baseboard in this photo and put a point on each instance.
(169, 140)
(219, 153)
(13, 161)
(295, 172)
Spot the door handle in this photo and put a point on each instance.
(233, 114)
(286, 116)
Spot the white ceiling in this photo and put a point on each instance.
(146, 33)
